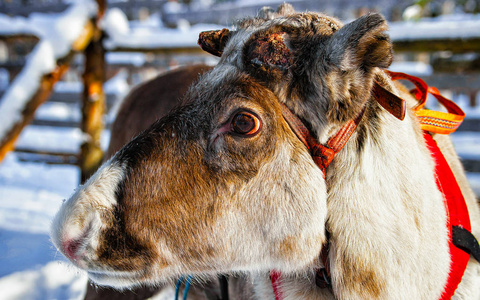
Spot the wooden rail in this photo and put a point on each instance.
(44, 90)
(455, 45)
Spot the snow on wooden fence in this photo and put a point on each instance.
(424, 36)
(70, 31)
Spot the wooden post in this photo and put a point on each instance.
(93, 106)
(473, 98)
(7, 144)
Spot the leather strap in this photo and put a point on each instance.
(321, 155)
(323, 278)
(430, 120)
(465, 240)
(391, 102)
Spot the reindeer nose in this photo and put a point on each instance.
(73, 244)
(76, 227)
(71, 248)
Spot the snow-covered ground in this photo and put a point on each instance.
(30, 267)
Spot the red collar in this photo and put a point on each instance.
(322, 155)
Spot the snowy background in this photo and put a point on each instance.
(31, 193)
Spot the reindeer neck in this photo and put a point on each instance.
(381, 196)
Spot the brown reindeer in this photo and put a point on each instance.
(145, 104)
(224, 185)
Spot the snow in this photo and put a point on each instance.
(150, 35)
(467, 144)
(115, 23)
(446, 27)
(30, 195)
(474, 180)
(4, 79)
(413, 12)
(53, 281)
(57, 32)
(136, 59)
(117, 85)
(172, 7)
(56, 111)
(414, 68)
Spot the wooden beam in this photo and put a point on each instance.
(161, 50)
(19, 37)
(454, 45)
(53, 158)
(454, 82)
(7, 142)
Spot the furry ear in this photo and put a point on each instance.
(214, 41)
(362, 43)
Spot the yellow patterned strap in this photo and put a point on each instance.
(430, 120)
(437, 121)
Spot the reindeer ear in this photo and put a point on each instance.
(214, 41)
(362, 43)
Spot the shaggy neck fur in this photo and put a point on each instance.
(379, 216)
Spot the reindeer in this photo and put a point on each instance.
(225, 185)
(145, 104)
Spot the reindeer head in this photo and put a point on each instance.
(223, 184)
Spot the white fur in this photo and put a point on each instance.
(388, 212)
(375, 203)
(278, 212)
(84, 208)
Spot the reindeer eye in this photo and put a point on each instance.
(245, 123)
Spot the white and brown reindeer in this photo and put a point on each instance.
(224, 185)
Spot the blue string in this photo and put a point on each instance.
(177, 287)
(187, 287)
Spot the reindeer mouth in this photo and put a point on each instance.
(118, 280)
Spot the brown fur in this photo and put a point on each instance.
(149, 102)
(144, 105)
(241, 164)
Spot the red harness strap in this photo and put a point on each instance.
(457, 215)
(458, 219)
